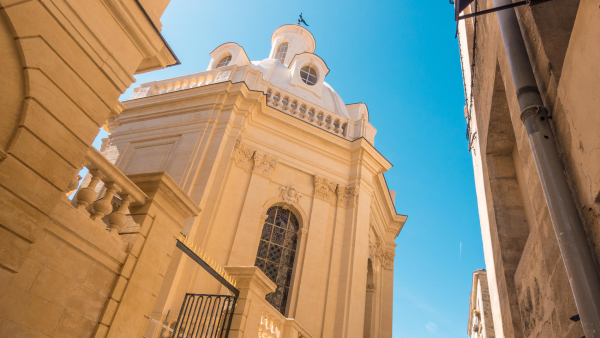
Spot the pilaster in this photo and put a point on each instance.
(251, 219)
(161, 220)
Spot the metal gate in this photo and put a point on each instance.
(205, 316)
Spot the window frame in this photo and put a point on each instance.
(223, 62)
(306, 79)
(279, 52)
(273, 238)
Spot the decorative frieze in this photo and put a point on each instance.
(290, 195)
(325, 189)
(264, 164)
(254, 160)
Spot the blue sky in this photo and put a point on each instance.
(401, 59)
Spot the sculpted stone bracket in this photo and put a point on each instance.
(254, 160)
(333, 192)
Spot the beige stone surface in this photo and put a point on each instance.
(529, 291)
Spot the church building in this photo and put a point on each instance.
(288, 183)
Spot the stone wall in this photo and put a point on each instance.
(65, 64)
(558, 36)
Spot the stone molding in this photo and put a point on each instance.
(290, 195)
(254, 160)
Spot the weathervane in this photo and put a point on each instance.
(300, 20)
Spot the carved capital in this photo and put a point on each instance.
(243, 155)
(264, 164)
(290, 194)
(347, 196)
(378, 250)
(325, 189)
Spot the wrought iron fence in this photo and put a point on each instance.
(205, 316)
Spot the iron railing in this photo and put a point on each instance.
(205, 316)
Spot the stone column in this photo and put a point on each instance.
(160, 219)
(243, 251)
(254, 285)
(324, 195)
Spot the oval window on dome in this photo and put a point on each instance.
(308, 75)
(224, 61)
(282, 52)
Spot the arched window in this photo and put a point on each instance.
(224, 61)
(282, 52)
(276, 253)
(308, 75)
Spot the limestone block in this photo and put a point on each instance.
(53, 133)
(10, 329)
(28, 185)
(57, 255)
(68, 294)
(72, 325)
(27, 274)
(13, 250)
(30, 311)
(52, 99)
(96, 278)
(42, 159)
(20, 217)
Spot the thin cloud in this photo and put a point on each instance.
(431, 327)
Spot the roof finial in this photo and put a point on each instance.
(300, 20)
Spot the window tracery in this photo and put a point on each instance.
(277, 251)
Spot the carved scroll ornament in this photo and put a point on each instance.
(290, 194)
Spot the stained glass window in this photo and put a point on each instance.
(277, 251)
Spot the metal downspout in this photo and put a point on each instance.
(572, 239)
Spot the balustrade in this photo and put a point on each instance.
(184, 82)
(293, 106)
(115, 182)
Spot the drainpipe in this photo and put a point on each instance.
(572, 240)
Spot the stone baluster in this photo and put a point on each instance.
(118, 219)
(294, 109)
(303, 112)
(312, 118)
(87, 195)
(270, 100)
(104, 206)
(338, 129)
